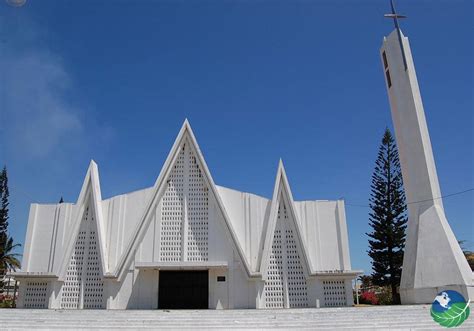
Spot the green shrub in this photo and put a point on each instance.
(385, 296)
(6, 301)
(6, 304)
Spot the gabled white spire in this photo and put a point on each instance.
(281, 191)
(90, 193)
(157, 193)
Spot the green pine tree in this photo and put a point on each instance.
(4, 195)
(387, 218)
(8, 259)
(3, 219)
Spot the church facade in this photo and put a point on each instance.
(186, 243)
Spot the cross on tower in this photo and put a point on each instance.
(395, 17)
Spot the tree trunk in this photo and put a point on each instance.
(395, 295)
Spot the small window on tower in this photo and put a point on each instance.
(385, 62)
(389, 81)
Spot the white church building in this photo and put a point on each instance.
(186, 243)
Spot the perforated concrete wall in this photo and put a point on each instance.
(36, 295)
(83, 286)
(286, 280)
(334, 293)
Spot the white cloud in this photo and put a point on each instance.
(36, 114)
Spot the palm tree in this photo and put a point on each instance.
(8, 259)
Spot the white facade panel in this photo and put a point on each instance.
(258, 252)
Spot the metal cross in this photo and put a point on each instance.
(395, 17)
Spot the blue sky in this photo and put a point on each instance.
(113, 81)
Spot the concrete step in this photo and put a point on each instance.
(351, 318)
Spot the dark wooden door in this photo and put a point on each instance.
(183, 290)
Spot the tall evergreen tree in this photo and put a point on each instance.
(8, 259)
(3, 220)
(4, 195)
(387, 218)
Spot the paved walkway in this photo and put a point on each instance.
(360, 318)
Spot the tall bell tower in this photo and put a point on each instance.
(433, 260)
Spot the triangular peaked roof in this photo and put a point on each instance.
(157, 193)
(282, 189)
(90, 192)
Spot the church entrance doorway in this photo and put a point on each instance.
(183, 290)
